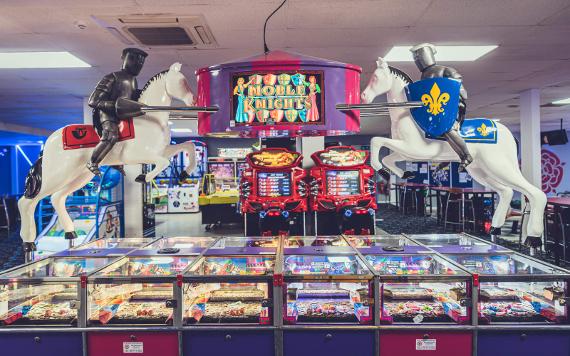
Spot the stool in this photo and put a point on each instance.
(456, 197)
(412, 199)
(525, 213)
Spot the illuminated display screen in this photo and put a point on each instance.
(273, 184)
(343, 183)
(278, 97)
(222, 170)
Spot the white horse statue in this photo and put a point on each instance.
(494, 165)
(61, 171)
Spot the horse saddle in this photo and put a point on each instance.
(477, 131)
(84, 136)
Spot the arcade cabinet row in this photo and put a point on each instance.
(276, 194)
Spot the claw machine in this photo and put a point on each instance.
(522, 304)
(140, 293)
(425, 300)
(457, 243)
(42, 304)
(328, 298)
(107, 247)
(229, 298)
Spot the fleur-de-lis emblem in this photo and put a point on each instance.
(483, 130)
(436, 100)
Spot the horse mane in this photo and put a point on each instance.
(154, 78)
(401, 75)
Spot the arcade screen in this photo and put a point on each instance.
(273, 184)
(278, 97)
(222, 170)
(341, 183)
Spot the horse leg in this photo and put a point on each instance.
(537, 201)
(190, 149)
(58, 201)
(505, 196)
(160, 164)
(376, 143)
(390, 162)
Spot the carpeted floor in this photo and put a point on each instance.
(11, 253)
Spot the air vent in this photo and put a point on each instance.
(161, 36)
(159, 30)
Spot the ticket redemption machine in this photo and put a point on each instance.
(273, 193)
(342, 192)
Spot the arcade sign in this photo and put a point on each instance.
(279, 97)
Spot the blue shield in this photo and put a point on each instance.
(440, 99)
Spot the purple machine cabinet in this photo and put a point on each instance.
(278, 94)
(42, 343)
(523, 343)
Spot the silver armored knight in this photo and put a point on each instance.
(424, 56)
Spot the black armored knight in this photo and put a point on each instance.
(115, 90)
(424, 56)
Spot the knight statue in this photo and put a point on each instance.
(115, 92)
(424, 56)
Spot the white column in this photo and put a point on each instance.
(307, 146)
(530, 136)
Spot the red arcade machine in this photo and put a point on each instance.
(342, 192)
(273, 193)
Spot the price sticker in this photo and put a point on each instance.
(426, 344)
(133, 348)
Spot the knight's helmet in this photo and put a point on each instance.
(133, 60)
(424, 55)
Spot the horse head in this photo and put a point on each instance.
(380, 82)
(177, 85)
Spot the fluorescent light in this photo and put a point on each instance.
(181, 130)
(40, 60)
(170, 123)
(562, 102)
(444, 53)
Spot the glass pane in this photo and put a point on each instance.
(301, 241)
(182, 242)
(321, 264)
(129, 303)
(364, 241)
(235, 265)
(423, 302)
(115, 243)
(523, 301)
(411, 265)
(241, 241)
(59, 267)
(147, 266)
(503, 264)
(328, 302)
(38, 304)
(437, 240)
(226, 303)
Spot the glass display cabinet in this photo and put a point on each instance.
(422, 288)
(517, 289)
(326, 281)
(136, 290)
(457, 243)
(46, 292)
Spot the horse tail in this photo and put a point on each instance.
(33, 183)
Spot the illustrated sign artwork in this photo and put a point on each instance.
(552, 171)
(277, 97)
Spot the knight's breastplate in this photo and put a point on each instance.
(125, 86)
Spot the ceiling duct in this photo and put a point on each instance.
(160, 30)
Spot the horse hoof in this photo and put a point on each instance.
(141, 178)
(29, 247)
(384, 173)
(183, 176)
(533, 241)
(70, 235)
(408, 175)
(495, 231)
